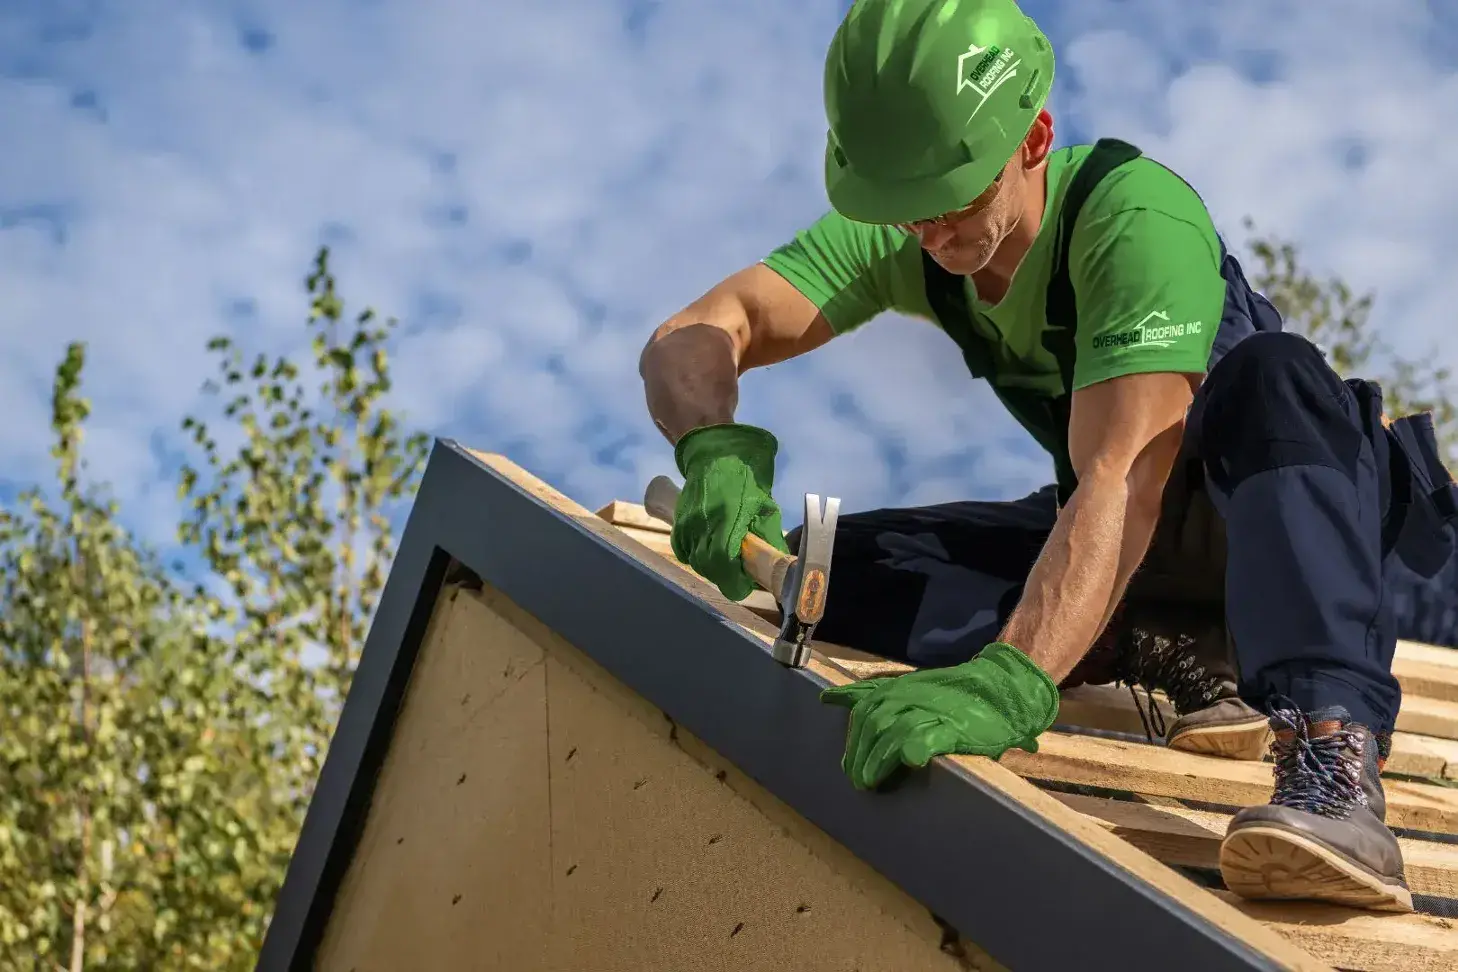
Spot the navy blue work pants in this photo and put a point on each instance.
(1293, 461)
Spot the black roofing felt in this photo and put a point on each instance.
(1022, 889)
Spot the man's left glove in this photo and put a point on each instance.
(995, 702)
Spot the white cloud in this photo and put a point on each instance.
(531, 187)
(1327, 123)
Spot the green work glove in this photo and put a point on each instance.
(728, 471)
(984, 707)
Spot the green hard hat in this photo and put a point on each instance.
(927, 100)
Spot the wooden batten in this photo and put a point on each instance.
(633, 516)
(1423, 678)
(1112, 708)
(1116, 765)
(1348, 939)
(1186, 837)
(1428, 716)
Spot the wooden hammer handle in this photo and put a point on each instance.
(767, 566)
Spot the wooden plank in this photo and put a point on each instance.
(1350, 939)
(1154, 770)
(622, 513)
(656, 541)
(1110, 707)
(1425, 678)
(1074, 826)
(762, 603)
(1183, 837)
(1430, 717)
(1427, 654)
(1448, 749)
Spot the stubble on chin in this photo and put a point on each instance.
(967, 258)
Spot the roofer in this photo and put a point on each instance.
(1264, 495)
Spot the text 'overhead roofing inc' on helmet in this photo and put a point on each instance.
(927, 100)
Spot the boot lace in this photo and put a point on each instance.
(1316, 774)
(1155, 662)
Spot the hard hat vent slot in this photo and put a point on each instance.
(1026, 99)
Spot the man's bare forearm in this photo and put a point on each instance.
(690, 378)
(1093, 550)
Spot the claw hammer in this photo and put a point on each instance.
(799, 582)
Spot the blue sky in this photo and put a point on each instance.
(532, 187)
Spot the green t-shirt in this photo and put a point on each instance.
(1144, 262)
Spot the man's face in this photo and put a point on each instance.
(963, 241)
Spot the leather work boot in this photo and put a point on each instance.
(1185, 654)
(1322, 836)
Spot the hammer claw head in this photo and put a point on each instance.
(804, 600)
(817, 536)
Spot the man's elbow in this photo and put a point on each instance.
(692, 346)
(1139, 476)
(1149, 475)
(714, 326)
(1145, 502)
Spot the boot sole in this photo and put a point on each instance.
(1242, 740)
(1269, 863)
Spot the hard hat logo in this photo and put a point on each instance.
(994, 67)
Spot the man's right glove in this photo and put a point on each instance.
(997, 701)
(729, 473)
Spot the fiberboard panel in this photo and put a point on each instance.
(533, 814)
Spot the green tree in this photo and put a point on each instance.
(295, 520)
(122, 844)
(160, 733)
(1328, 312)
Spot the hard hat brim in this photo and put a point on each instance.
(866, 200)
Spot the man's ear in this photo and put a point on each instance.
(1039, 141)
